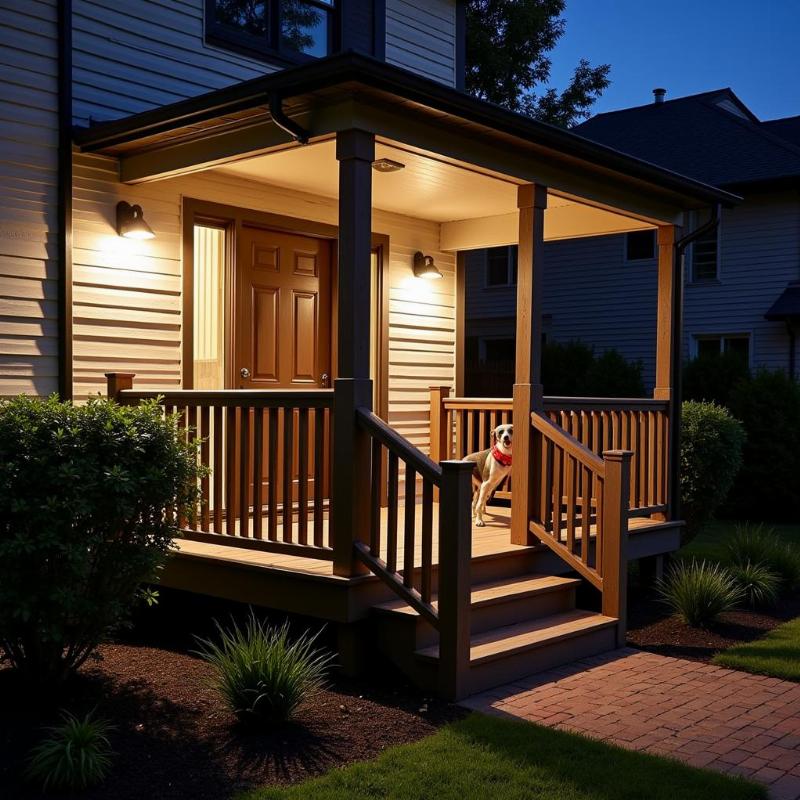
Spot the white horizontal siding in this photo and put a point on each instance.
(421, 37)
(28, 198)
(133, 55)
(127, 294)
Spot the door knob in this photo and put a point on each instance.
(325, 380)
(244, 372)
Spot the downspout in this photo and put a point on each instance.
(677, 354)
(64, 209)
(298, 133)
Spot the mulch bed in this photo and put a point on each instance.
(175, 739)
(652, 627)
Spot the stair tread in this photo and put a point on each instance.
(498, 642)
(513, 587)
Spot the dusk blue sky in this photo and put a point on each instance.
(687, 46)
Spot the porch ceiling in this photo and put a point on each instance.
(476, 209)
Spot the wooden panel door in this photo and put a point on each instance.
(282, 332)
(282, 318)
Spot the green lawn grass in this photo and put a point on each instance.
(498, 759)
(712, 542)
(777, 654)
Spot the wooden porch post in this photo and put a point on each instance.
(668, 350)
(355, 151)
(440, 450)
(528, 392)
(117, 382)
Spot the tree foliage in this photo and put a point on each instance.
(508, 42)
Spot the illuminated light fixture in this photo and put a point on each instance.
(387, 165)
(130, 222)
(424, 267)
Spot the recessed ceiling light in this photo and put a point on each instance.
(387, 165)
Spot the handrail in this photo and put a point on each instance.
(569, 443)
(552, 403)
(253, 398)
(402, 448)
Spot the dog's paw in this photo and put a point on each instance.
(479, 523)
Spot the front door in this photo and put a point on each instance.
(282, 317)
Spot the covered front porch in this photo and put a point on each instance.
(331, 501)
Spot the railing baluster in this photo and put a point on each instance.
(302, 476)
(230, 471)
(427, 541)
(191, 431)
(244, 473)
(219, 468)
(319, 481)
(586, 515)
(272, 501)
(391, 515)
(557, 492)
(409, 524)
(205, 515)
(571, 466)
(375, 491)
(258, 469)
(288, 474)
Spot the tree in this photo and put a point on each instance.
(506, 58)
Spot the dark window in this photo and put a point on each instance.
(498, 351)
(290, 29)
(715, 345)
(640, 245)
(704, 257)
(501, 266)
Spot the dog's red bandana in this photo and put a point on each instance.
(500, 458)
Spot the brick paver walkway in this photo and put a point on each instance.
(704, 715)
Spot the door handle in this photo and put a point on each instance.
(244, 372)
(325, 380)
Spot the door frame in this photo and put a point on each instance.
(231, 219)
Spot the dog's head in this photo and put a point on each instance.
(502, 436)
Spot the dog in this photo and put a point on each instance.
(490, 468)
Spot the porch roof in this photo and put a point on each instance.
(352, 90)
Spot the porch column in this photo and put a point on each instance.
(355, 151)
(528, 392)
(669, 326)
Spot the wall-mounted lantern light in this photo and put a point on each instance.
(387, 165)
(425, 267)
(130, 222)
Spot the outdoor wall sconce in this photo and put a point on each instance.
(387, 165)
(130, 222)
(424, 267)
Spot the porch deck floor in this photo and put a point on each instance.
(493, 538)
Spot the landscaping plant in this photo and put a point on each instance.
(711, 455)
(88, 502)
(75, 756)
(262, 673)
(700, 591)
(760, 585)
(759, 544)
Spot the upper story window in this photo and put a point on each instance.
(292, 30)
(705, 257)
(501, 266)
(640, 245)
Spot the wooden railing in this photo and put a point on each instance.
(463, 425)
(267, 456)
(402, 549)
(580, 509)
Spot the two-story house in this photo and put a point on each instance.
(741, 281)
(258, 213)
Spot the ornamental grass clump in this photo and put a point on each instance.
(760, 585)
(759, 544)
(88, 502)
(75, 756)
(700, 592)
(262, 673)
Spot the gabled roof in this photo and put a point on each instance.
(787, 306)
(711, 136)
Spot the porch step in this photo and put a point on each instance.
(506, 601)
(504, 654)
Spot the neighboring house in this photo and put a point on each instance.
(603, 290)
(240, 209)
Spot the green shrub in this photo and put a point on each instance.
(760, 585)
(758, 544)
(75, 756)
(261, 673)
(572, 369)
(713, 378)
(768, 486)
(699, 592)
(611, 375)
(86, 494)
(711, 455)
